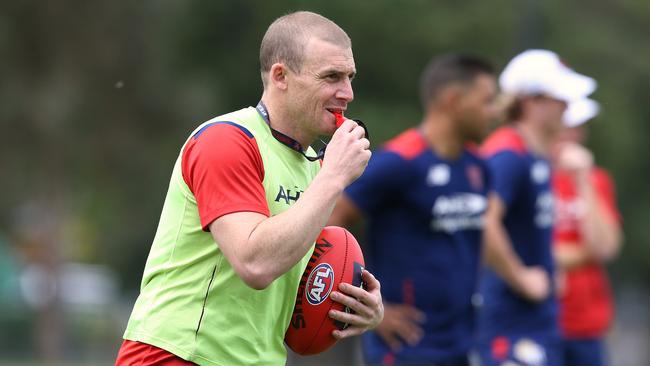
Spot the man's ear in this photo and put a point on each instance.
(278, 76)
(450, 97)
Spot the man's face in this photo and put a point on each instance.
(476, 108)
(323, 85)
(548, 112)
(576, 134)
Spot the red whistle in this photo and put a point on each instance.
(339, 118)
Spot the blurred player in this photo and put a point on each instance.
(587, 235)
(246, 200)
(424, 195)
(518, 324)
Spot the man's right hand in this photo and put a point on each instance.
(347, 153)
(402, 323)
(534, 283)
(530, 282)
(575, 158)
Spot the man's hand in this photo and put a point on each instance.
(367, 309)
(402, 323)
(347, 153)
(534, 283)
(575, 158)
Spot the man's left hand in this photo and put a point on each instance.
(367, 309)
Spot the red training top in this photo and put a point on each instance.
(586, 305)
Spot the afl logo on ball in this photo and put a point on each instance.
(319, 283)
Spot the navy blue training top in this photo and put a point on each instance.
(424, 217)
(523, 181)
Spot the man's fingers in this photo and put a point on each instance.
(371, 283)
(393, 342)
(348, 125)
(400, 330)
(398, 327)
(352, 303)
(349, 318)
(352, 127)
(358, 293)
(414, 314)
(365, 143)
(348, 332)
(368, 297)
(402, 325)
(366, 308)
(410, 332)
(359, 132)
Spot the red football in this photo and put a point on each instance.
(337, 258)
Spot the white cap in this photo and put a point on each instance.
(543, 72)
(580, 111)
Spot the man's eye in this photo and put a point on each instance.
(332, 76)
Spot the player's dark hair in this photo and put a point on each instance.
(513, 110)
(448, 69)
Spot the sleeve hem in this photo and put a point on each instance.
(208, 218)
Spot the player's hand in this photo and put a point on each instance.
(347, 153)
(574, 158)
(367, 309)
(534, 283)
(402, 323)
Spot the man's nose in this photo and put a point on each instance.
(345, 92)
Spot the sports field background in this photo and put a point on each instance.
(96, 98)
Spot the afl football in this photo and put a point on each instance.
(337, 258)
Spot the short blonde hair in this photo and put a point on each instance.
(286, 38)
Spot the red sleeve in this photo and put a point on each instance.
(503, 138)
(606, 193)
(222, 166)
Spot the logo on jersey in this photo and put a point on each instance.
(544, 210)
(319, 283)
(461, 211)
(438, 175)
(287, 195)
(529, 352)
(540, 172)
(568, 213)
(500, 348)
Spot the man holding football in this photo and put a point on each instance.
(246, 200)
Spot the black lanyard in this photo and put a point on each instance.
(292, 143)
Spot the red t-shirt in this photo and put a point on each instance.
(586, 307)
(223, 168)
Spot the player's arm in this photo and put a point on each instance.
(531, 282)
(601, 234)
(600, 230)
(599, 227)
(261, 249)
(570, 255)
